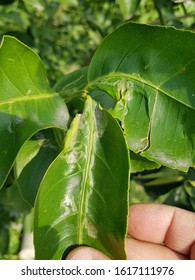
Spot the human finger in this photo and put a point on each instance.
(136, 250)
(86, 253)
(174, 227)
(142, 250)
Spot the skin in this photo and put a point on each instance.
(158, 232)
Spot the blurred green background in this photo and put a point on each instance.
(66, 33)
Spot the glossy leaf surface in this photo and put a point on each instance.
(31, 163)
(83, 196)
(27, 104)
(139, 163)
(71, 89)
(71, 86)
(149, 70)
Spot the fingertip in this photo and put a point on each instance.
(157, 223)
(86, 253)
(149, 222)
(192, 252)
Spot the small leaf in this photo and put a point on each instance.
(139, 163)
(128, 7)
(32, 161)
(176, 197)
(71, 89)
(10, 198)
(104, 99)
(71, 86)
(27, 104)
(83, 196)
(149, 71)
(190, 189)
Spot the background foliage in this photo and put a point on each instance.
(66, 34)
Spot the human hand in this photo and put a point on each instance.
(158, 232)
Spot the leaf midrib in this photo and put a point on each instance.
(84, 191)
(29, 98)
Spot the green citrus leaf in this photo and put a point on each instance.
(71, 89)
(83, 196)
(128, 7)
(71, 86)
(139, 163)
(27, 104)
(31, 163)
(150, 71)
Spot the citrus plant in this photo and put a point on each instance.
(71, 149)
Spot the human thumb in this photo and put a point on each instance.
(86, 253)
